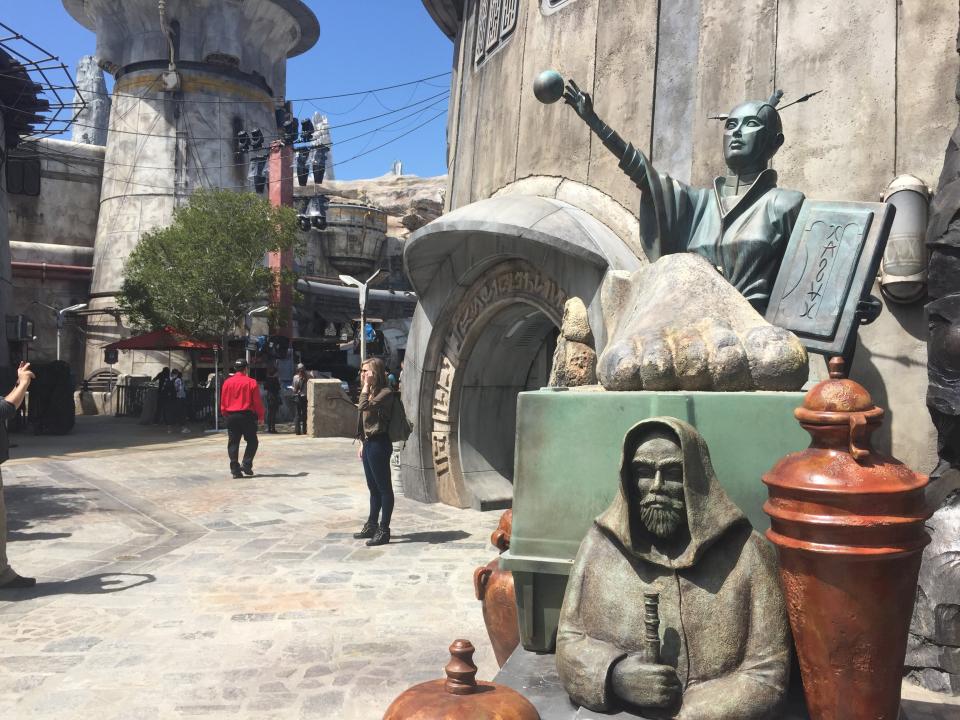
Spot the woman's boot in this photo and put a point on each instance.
(369, 530)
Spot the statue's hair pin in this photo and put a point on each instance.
(773, 102)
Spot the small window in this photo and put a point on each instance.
(23, 176)
(496, 21)
(549, 6)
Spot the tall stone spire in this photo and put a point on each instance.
(322, 124)
(90, 123)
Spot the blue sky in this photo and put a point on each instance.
(363, 44)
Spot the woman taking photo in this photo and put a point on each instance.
(376, 404)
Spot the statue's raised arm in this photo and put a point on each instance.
(632, 161)
(741, 224)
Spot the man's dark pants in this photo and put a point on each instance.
(242, 424)
(301, 424)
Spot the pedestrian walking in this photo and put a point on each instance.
(9, 580)
(161, 378)
(300, 396)
(271, 386)
(179, 400)
(241, 405)
(375, 406)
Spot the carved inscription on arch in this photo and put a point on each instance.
(509, 281)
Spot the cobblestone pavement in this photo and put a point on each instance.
(169, 589)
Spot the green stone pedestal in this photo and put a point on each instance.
(567, 471)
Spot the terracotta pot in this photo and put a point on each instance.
(494, 588)
(848, 526)
(460, 696)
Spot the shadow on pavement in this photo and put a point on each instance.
(34, 537)
(91, 585)
(433, 538)
(279, 475)
(96, 433)
(30, 505)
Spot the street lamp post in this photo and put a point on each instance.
(364, 288)
(248, 322)
(61, 313)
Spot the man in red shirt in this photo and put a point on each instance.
(240, 403)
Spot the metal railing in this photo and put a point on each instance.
(129, 399)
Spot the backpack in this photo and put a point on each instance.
(398, 427)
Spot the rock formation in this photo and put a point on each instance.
(575, 359)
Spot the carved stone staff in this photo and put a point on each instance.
(651, 620)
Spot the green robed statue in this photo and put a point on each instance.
(741, 225)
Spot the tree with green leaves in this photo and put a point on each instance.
(201, 273)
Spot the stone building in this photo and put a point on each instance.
(169, 134)
(186, 81)
(538, 210)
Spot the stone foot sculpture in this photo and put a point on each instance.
(677, 324)
(575, 359)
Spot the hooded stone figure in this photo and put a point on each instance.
(724, 636)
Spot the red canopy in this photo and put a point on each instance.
(165, 339)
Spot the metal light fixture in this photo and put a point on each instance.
(256, 139)
(364, 288)
(303, 170)
(258, 173)
(303, 220)
(320, 163)
(306, 130)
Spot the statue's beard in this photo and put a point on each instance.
(661, 516)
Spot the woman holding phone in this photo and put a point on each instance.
(375, 406)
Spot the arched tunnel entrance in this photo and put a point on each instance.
(492, 278)
(499, 341)
(510, 351)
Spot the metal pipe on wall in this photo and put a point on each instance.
(903, 272)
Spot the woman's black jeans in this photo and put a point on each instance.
(376, 465)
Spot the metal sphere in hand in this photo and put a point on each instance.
(548, 87)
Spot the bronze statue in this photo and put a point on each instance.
(719, 615)
(741, 225)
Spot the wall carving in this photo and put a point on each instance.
(496, 21)
(512, 281)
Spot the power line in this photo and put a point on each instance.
(113, 130)
(261, 102)
(245, 186)
(58, 156)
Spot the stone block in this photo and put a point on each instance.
(330, 413)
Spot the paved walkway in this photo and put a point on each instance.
(170, 590)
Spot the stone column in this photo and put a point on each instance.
(173, 132)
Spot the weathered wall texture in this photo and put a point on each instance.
(887, 71)
(56, 227)
(657, 71)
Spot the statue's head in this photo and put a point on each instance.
(752, 134)
(656, 471)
